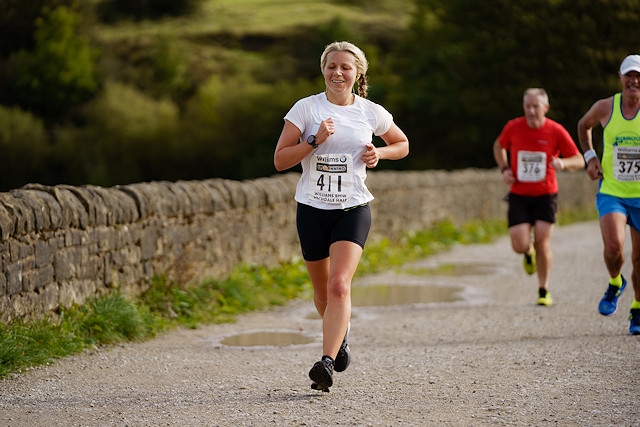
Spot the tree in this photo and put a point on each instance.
(59, 72)
(111, 10)
(17, 22)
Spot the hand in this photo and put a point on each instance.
(371, 156)
(326, 129)
(507, 176)
(557, 163)
(594, 169)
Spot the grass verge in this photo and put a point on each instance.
(114, 318)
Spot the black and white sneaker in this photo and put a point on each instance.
(322, 374)
(343, 358)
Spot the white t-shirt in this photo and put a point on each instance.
(333, 175)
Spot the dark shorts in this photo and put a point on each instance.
(318, 229)
(529, 209)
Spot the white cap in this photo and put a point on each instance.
(630, 63)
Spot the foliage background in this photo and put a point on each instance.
(108, 92)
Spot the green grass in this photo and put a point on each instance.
(166, 305)
(577, 215)
(108, 320)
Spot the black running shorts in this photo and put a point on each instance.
(318, 229)
(529, 209)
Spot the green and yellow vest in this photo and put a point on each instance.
(621, 154)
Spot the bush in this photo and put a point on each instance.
(235, 123)
(130, 138)
(24, 147)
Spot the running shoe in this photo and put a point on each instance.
(634, 321)
(343, 358)
(609, 301)
(322, 374)
(529, 262)
(544, 297)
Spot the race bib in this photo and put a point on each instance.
(626, 163)
(331, 178)
(532, 166)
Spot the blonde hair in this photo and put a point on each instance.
(362, 65)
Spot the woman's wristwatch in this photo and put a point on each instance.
(311, 140)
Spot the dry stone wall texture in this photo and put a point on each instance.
(64, 245)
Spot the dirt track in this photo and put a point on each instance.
(492, 358)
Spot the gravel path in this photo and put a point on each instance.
(490, 358)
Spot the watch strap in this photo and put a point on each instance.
(311, 140)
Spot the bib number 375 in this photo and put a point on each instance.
(626, 163)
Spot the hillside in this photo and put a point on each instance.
(231, 34)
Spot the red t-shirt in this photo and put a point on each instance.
(530, 152)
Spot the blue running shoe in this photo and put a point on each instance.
(609, 301)
(634, 320)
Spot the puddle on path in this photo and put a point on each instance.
(267, 338)
(387, 295)
(422, 293)
(458, 269)
(375, 295)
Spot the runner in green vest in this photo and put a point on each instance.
(618, 198)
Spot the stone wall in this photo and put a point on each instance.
(64, 245)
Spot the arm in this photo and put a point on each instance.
(500, 155)
(289, 153)
(397, 147)
(571, 158)
(599, 113)
(572, 163)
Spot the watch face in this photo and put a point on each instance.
(311, 139)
